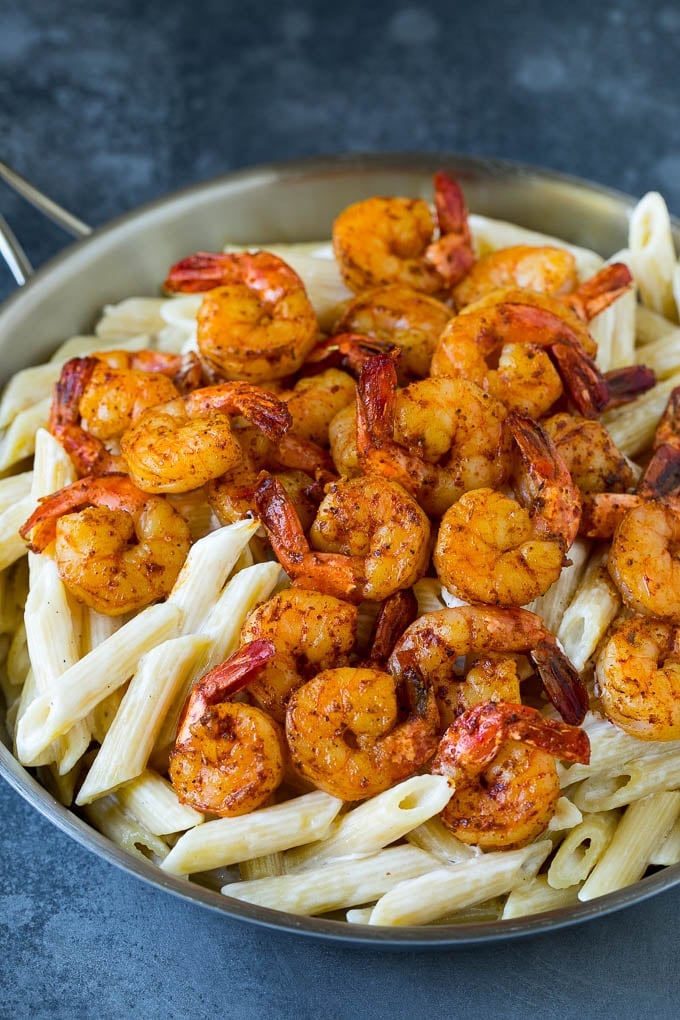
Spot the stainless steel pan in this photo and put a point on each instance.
(294, 201)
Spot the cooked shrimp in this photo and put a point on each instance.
(546, 269)
(342, 438)
(347, 735)
(501, 760)
(507, 551)
(410, 320)
(310, 632)
(256, 321)
(315, 400)
(493, 676)
(117, 548)
(181, 445)
(638, 678)
(392, 240)
(369, 540)
(596, 465)
(430, 647)
(436, 437)
(522, 331)
(644, 559)
(229, 757)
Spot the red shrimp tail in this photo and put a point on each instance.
(349, 351)
(197, 273)
(280, 518)
(396, 613)
(449, 201)
(584, 382)
(88, 454)
(473, 738)
(376, 402)
(662, 475)
(625, 384)
(668, 429)
(223, 681)
(561, 681)
(68, 391)
(600, 291)
(300, 454)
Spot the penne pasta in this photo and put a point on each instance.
(109, 816)
(581, 849)
(153, 802)
(535, 896)
(652, 254)
(587, 617)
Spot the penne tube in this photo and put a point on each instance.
(632, 427)
(428, 592)
(445, 890)
(18, 441)
(226, 841)
(267, 866)
(652, 253)
(638, 778)
(205, 571)
(335, 886)
(90, 679)
(668, 850)
(552, 606)
(12, 545)
(613, 329)
(126, 748)
(663, 355)
(220, 630)
(434, 837)
(153, 801)
(592, 609)
(566, 816)
(381, 820)
(14, 488)
(535, 896)
(650, 326)
(18, 662)
(130, 318)
(642, 827)
(581, 849)
(109, 816)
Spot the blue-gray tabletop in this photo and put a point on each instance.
(107, 105)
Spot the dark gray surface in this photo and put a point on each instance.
(107, 105)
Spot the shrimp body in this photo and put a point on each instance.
(117, 548)
(314, 402)
(430, 646)
(523, 332)
(310, 632)
(437, 437)
(644, 559)
(255, 321)
(595, 464)
(392, 240)
(546, 269)
(369, 540)
(408, 319)
(345, 733)
(181, 445)
(501, 759)
(495, 549)
(638, 676)
(228, 757)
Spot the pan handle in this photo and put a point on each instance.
(10, 248)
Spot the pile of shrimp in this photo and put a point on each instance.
(444, 434)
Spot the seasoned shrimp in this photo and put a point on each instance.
(117, 548)
(638, 678)
(310, 632)
(501, 759)
(342, 438)
(392, 240)
(369, 540)
(495, 549)
(181, 445)
(437, 437)
(546, 269)
(314, 402)
(256, 321)
(430, 647)
(228, 757)
(596, 465)
(406, 318)
(522, 331)
(644, 559)
(348, 736)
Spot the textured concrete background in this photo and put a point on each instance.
(105, 106)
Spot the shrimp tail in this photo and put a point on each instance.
(378, 451)
(583, 380)
(473, 739)
(452, 255)
(224, 680)
(662, 475)
(263, 409)
(561, 681)
(348, 350)
(625, 384)
(600, 291)
(73, 379)
(396, 613)
(602, 511)
(196, 273)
